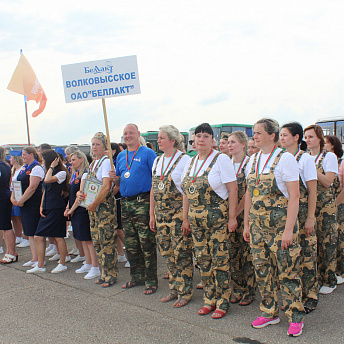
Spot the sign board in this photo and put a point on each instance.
(101, 79)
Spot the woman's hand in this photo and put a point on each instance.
(80, 196)
(19, 203)
(309, 226)
(92, 207)
(70, 213)
(65, 214)
(246, 233)
(186, 228)
(152, 223)
(287, 239)
(232, 225)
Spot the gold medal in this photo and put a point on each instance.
(192, 189)
(161, 185)
(127, 174)
(255, 192)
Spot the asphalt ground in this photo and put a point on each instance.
(65, 308)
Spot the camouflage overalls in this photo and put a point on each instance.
(242, 269)
(208, 216)
(308, 267)
(103, 226)
(173, 245)
(327, 232)
(139, 240)
(267, 218)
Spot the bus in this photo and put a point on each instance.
(223, 128)
(152, 136)
(332, 126)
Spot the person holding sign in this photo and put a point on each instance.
(52, 222)
(271, 227)
(30, 196)
(98, 199)
(166, 215)
(209, 209)
(134, 175)
(11, 255)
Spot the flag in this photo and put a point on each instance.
(25, 82)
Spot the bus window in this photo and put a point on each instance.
(249, 132)
(217, 134)
(340, 131)
(227, 129)
(327, 127)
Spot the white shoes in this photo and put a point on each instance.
(18, 240)
(1, 250)
(36, 270)
(74, 252)
(127, 264)
(340, 280)
(326, 290)
(78, 258)
(85, 268)
(30, 263)
(36, 263)
(93, 273)
(59, 268)
(51, 252)
(121, 259)
(24, 243)
(54, 257)
(67, 259)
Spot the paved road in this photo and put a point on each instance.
(65, 308)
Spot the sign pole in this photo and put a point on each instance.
(27, 122)
(107, 133)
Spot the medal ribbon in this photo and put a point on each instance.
(242, 161)
(297, 152)
(126, 157)
(316, 159)
(195, 175)
(257, 168)
(162, 166)
(26, 167)
(99, 162)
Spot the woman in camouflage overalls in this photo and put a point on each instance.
(333, 144)
(291, 139)
(102, 213)
(271, 208)
(166, 215)
(208, 182)
(241, 261)
(326, 209)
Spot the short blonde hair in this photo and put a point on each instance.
(84, 165)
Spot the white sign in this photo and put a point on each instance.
(101, 79)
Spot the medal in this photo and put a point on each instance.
(161, 185)
(255, 192)
(127, 174)
(192, 189)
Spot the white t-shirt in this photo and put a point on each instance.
(330, 163)
(38, 171)
(61, 176)
(177, 173)
(307, 168)
(103, 170)
(286, 170)
(237, 165)
(221, 173)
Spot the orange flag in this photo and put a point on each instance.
(25, 82)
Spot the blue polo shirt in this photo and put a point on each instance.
(140, 179)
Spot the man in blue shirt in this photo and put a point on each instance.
(134, 176)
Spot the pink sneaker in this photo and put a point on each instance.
(261, 322)
(295, 329)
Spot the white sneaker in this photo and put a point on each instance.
(55, 257)
(70, 228)
(78, 258)
(36, 263)
(59, 268)
(340, 280)
(93, 273)
(84, 268)
(35, 270)
(1, 250)
(121, 259)
(67, 259)
(127, 264)
(326, 290)
(74, 252)
(18, 240)
(24, 243)
(51, 252)
(30, 263)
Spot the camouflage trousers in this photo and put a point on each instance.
(139, 241)
(104, 236)
(242, 269)
(327, 237)
(266, 252)
(177, 249)
(340, 247)
(308, 267)
(209, 228)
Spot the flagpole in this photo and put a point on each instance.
(107, 133)
(27, 117)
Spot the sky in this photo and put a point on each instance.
(198, 61)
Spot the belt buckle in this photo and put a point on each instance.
(139, 199)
